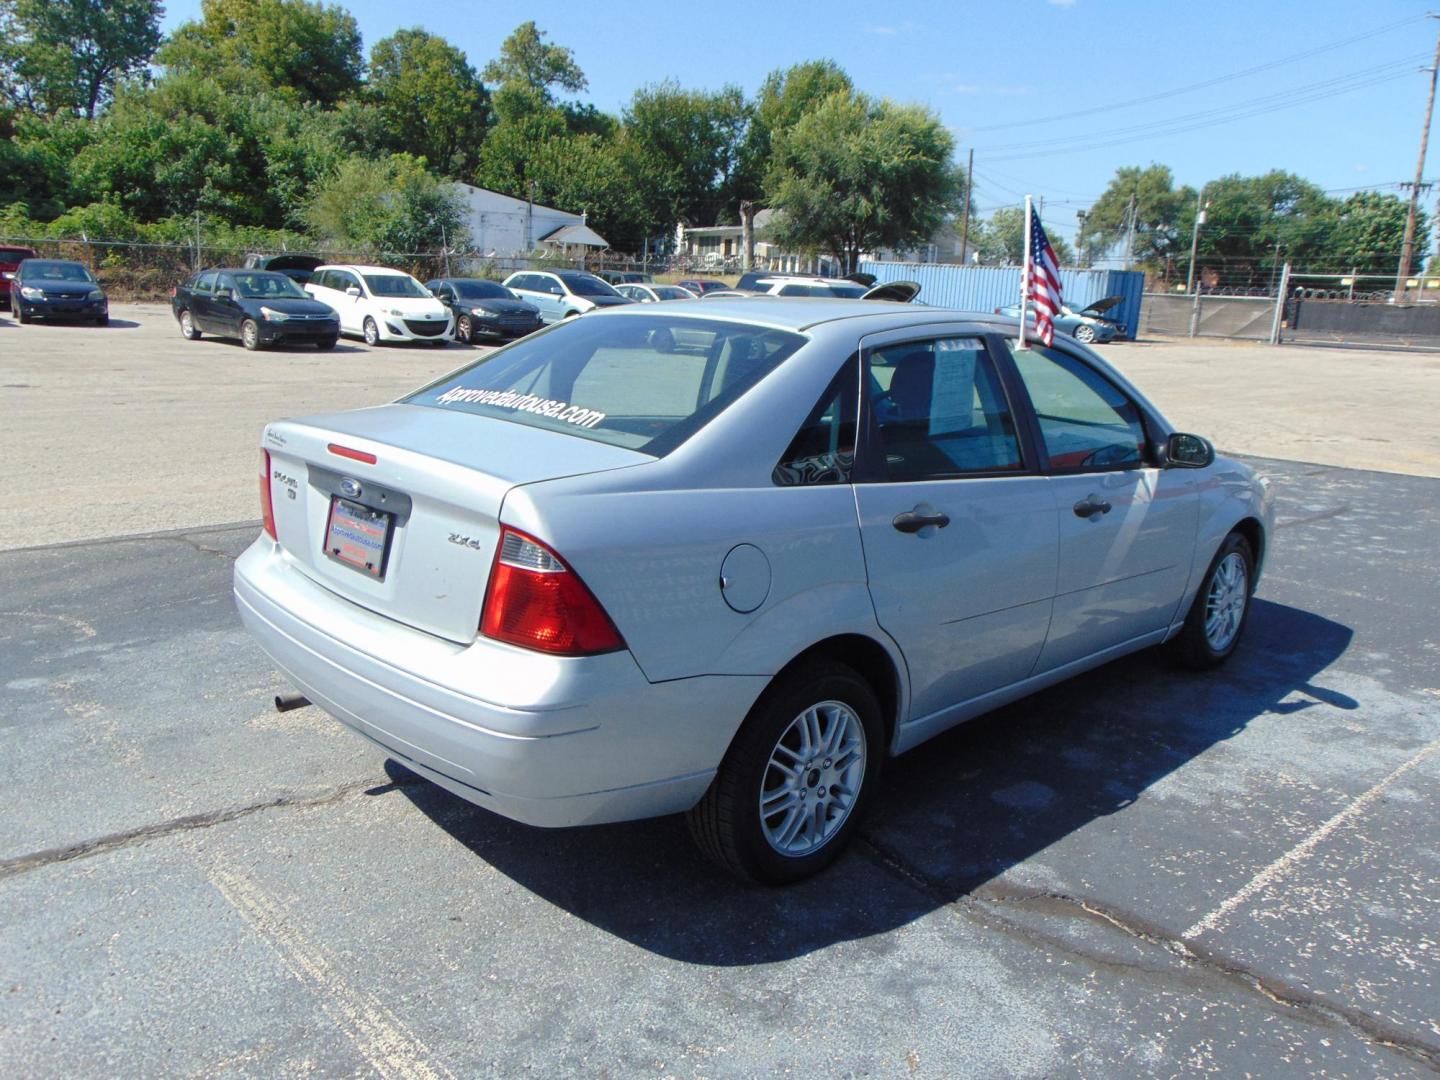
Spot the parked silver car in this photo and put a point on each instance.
(725, 557)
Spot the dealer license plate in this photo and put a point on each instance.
(357, 536)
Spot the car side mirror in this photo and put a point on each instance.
(353, 290)
(1184, 451)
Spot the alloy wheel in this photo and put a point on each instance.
(812, 778)
(1225, 601)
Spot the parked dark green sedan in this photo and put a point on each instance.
(260, 307)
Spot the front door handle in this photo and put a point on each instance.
(910, 521)
(1090, 506)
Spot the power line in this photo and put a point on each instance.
(1178, 91)
(1327, 87)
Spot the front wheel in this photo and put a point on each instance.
(188, 329)
(325, 344)
(1084, 334)
(102, 320)
(372, 332)
(1217, 618)
(465, 330)
(250, 334)
(22, 315)
(792, 788)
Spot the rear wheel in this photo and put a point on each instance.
(372, 332)
(1217, 618)
(188, 330)
(791, 790)
(250, 334)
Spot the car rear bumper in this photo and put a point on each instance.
(584, 740)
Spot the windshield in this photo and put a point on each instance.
(483, 290)
(44, 270)
(643, 382)
(587, 285)
(267, 286)
(672, 292)
(395, 285)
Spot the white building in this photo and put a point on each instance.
(502, 226)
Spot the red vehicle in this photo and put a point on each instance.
(10, 259)
(700, 286)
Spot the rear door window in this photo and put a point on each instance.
(644, 382)
(205, 284)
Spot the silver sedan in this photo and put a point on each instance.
(726, 558)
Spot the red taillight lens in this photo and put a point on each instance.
(537, 602)
(267, 508)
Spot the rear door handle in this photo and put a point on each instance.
(1090, 506)
(911, 522)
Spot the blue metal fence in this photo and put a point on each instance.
(985, 288)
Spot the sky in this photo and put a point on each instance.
(1339, 98)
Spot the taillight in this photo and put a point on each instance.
(267, 508)
(535, 601)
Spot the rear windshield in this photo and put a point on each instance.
(587, 285)
(643, 382)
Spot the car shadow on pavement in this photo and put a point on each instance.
(950, 815)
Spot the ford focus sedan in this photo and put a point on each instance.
(726, 558)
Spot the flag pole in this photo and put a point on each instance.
(1025, 280)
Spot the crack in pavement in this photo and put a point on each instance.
(20, 864)
(189, 541)
(1310, 519)
(984, 902)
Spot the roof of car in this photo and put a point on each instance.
(362, 269)
(803, 312)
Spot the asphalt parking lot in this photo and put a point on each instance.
(1138, 872)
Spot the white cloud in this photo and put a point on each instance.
(890, 31)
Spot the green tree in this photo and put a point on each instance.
(66, 56)
(1001, 239)
(1369, 231)
(691, 141)
(309, 49)
(1163, 214)
(527, 61)
(429, 100)
(785, 96)
(856, 174)
(1254, 223)
(393, 207)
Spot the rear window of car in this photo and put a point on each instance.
(14, 255)
(647, 383)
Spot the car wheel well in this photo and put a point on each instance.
(1254, 533)
(868, 659)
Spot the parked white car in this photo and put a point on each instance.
(563, 293)
(381, 304)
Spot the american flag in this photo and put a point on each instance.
(1042, 281)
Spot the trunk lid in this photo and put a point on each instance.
(436, 482)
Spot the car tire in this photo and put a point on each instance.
(22, 315)
(326, 344)
(729, 825)
(102, 320)
(372, 332)
(1084, 334)
(465, 330)
(250, 334)
(1217, 618)
(187, 326)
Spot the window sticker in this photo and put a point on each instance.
(511, 399)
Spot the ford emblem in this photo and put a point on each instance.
(350, 487)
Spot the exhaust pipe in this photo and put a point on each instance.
(286, 702)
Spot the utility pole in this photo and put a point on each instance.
(1130, 232)
(965, 213)
(1407, 250)
(1192, 285)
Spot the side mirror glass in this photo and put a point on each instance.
(1188, 451)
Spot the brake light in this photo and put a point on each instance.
(354, 455)
(267, 508)
(537, 602)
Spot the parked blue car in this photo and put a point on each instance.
(1087, 325)
(57, 288)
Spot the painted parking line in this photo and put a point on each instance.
(1303, 850)
(381, 1037)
